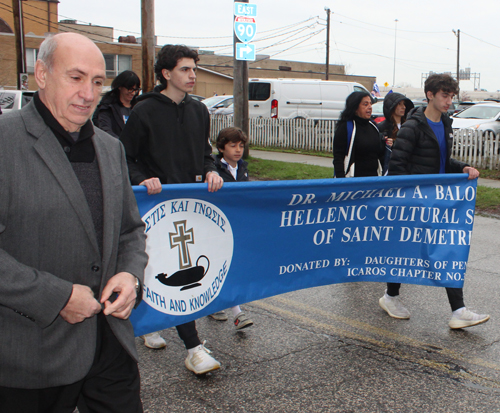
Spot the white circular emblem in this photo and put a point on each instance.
(190, 247)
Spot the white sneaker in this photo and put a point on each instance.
(241, 321)
(154, 340)
(394, 307)
(467, 318)
(200, 361)
(219, 316)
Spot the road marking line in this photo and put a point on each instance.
(445, 367)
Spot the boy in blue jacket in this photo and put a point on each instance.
(231, 145)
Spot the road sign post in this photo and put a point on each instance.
(245, 27)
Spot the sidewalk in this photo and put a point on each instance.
(327, 162)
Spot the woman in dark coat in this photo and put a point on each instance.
(116, 105)
(396, 108)
(368, 148)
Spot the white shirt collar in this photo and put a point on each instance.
(234, 171)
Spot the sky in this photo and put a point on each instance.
(364, 35)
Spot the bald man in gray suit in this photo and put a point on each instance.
(71, 246)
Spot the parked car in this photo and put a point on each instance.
(197, 97)
(298, 98)
(217, 102)
(482, 116)
(378, 111)
(463, 105)
(14, 99)
(229, 111)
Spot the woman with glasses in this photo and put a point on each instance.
(116, 105)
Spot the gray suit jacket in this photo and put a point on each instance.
(48, 243)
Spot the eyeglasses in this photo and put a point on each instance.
(134, 89)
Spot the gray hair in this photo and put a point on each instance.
(47, 50)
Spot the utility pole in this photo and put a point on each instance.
(240, 90)
(17, 11)
(148, 44)
(457, 33)
(327, 42)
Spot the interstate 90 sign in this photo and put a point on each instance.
(245, 28)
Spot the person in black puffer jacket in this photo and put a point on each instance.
(423, 146)
(368, 148)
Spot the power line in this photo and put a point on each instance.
(292, 40)
(282, 51)
(399, 37)
(387, 57)
(483, 41)
(296, 31)
(388, 28)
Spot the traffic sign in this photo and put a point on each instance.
(245, 51)
(245, 9)
(244, 27)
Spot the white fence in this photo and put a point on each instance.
(283, 133)
(476, 148)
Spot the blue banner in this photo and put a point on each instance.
(251, 240)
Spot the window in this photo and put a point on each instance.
(359, 89)
(259, 91)
(116, 64)
(31, 56)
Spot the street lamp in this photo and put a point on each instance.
(395, 38)
(327, 42)
(457, 33)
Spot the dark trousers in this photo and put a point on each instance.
(112, 385)
(455, 295)
(188, 334)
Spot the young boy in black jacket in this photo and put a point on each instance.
(231, 144)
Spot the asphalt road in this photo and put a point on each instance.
(332, 349)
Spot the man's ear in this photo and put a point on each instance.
(40, 74)
(165, 73)
(429, 95)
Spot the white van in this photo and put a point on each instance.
(298, 98)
